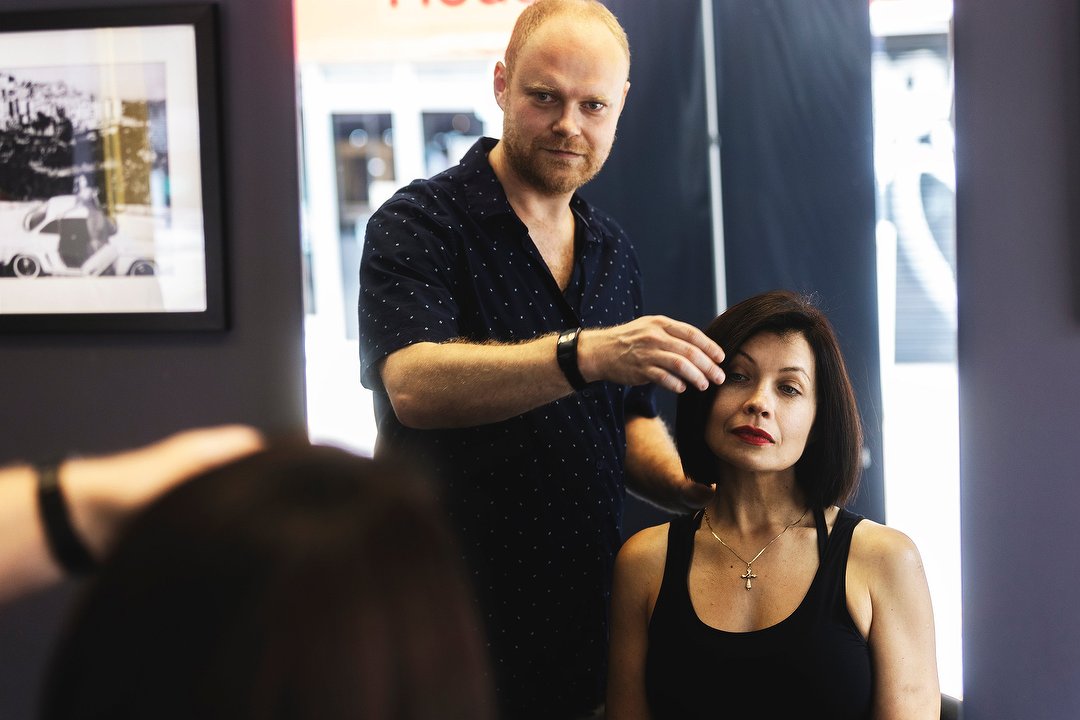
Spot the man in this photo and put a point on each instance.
(469, 282)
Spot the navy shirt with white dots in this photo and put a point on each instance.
(537, 498)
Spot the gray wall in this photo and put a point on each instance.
(1017, 84)
(90, 393)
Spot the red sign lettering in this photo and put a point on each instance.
(453, 3)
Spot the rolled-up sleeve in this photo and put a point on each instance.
(406, 282)
(640, 400)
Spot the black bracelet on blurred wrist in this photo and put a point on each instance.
(566, 354)
(64, 544)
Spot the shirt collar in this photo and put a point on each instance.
(487, 199)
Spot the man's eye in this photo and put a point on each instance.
(543, 97)
(595, 106)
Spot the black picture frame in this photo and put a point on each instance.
(110, 178)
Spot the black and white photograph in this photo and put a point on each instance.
(105, 214)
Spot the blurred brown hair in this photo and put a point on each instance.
(301, 582)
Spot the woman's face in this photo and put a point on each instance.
(762, 414)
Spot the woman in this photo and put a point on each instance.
(772, 600)
(299, 582)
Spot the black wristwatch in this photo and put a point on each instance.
(64, 543)
(566, 354)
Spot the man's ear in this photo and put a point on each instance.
(622, 100)
(501, 84)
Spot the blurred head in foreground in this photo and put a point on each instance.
(300, 582)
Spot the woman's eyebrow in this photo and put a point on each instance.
(792, 368)
(796, 369)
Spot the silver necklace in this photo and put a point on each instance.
(749, 574)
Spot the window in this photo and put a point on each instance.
(916, 178)
(389, 92)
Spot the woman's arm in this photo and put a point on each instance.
(889, 577)
(639, 568)
(101, 493)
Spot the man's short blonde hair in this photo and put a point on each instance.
(541, 11)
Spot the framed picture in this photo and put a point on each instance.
(110, 190)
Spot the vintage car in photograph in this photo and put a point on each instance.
(58, 238)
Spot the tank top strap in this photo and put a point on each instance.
(841, 532)
(674, 596)
(833, 570)
(680, 547)
(822, 532)
(843, 528)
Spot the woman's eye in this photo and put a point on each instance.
(734, 377)
(790, 390)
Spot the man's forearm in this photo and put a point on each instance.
(652, 462)
(653, 468)
(459, 384)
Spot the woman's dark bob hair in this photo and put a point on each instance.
(829, 469)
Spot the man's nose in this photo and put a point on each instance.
(566, 124)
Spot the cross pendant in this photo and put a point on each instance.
(748, 576)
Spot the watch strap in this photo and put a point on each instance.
(566, 354)
(64, 544)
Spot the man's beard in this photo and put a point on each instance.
(545, 173)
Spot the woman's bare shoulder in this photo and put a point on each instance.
(643, 554)
(882, 552)
(646, 546)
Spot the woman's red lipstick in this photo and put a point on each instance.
(753, 435)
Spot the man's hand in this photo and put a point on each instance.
(654, 471)
(654, 349)
(677, 495)
(691, 496)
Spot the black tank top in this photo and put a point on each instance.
(814, 663)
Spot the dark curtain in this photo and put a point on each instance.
(656, 181)
(797, 175)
